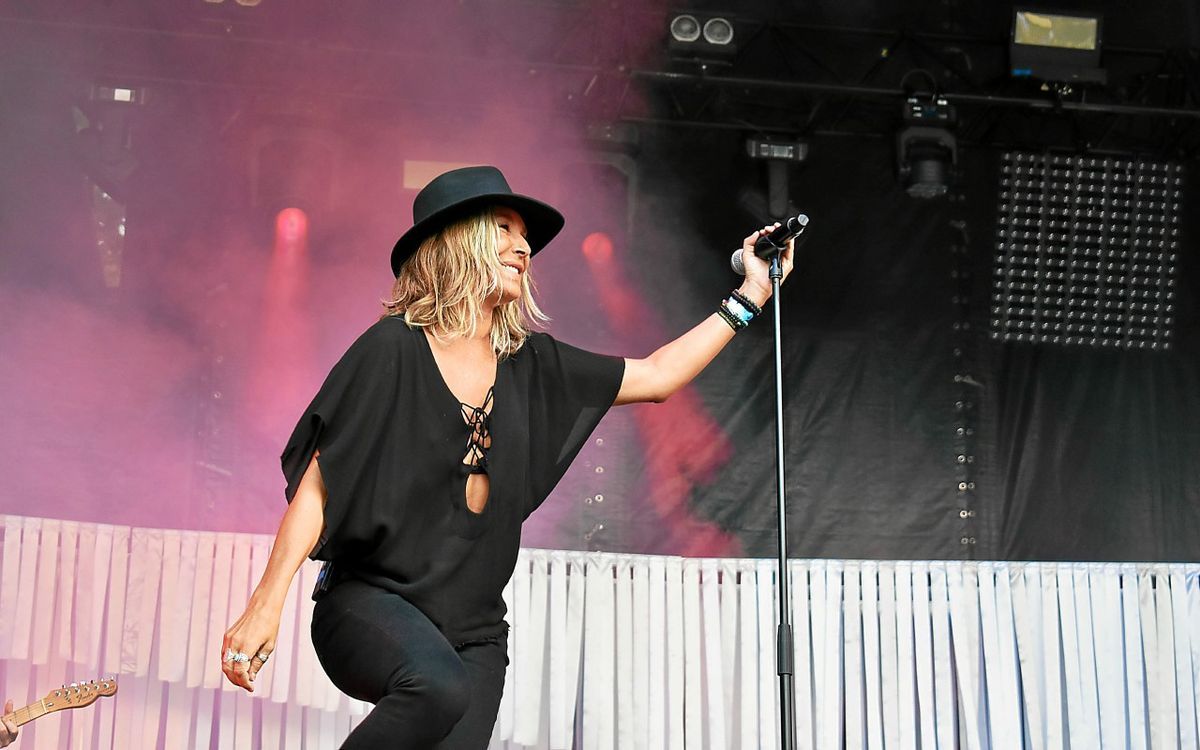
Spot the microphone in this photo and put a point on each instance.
(772, 243)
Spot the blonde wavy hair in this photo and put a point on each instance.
(444, 285)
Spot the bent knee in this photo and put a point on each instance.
(443, 689)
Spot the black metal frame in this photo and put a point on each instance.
(786, 77)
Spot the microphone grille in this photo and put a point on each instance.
(735, 262)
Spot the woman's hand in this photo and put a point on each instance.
(757, 285)
(253, 635)
(8, 730)
(250, 641)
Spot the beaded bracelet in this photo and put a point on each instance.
(746, 302)
(738, 311)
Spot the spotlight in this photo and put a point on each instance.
(597, 248)
(778, 154)
(103, 136)
(701, 37)
(117, 94)
(718, 31)
(685, 28)
(291, 225)
(926, 150)
(772, 148)
(1056, 48)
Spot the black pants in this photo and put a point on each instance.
(377, 647)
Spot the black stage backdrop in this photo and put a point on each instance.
(896, 396)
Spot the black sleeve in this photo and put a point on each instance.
(572, 390)
(347, 422)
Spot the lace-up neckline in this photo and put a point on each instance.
(479, 439)
(478, 419)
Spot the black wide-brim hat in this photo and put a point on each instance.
(461, 192)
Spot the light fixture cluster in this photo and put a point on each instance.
(1086, 251)
(701, 36)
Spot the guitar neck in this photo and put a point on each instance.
(27, 714)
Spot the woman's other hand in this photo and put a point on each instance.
(253, 637)
(250, 641)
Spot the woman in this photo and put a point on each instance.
(438, 432)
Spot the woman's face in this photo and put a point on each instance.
(514, 252)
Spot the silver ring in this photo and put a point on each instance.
(261, 656)
(240, 658)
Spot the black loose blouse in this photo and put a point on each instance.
(392, 438)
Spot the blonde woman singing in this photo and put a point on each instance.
(434, 437)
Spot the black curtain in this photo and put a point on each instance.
(911, 433)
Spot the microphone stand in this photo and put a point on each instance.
(785, 654)
(785, 642)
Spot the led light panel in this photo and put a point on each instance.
(1086, 251)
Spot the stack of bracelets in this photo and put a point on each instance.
(738, 311)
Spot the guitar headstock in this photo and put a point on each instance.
(78, 694)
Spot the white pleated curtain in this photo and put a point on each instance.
(623, 651)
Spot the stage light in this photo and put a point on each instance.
(103, 140)
(1062, 32)
(1056, 47)
(598, 248)
(926, 150)
(771, 148)
(718, 31)
(778, 154)
(118, 94)
(702, 38)
(1086, 251)
(291, 226)
(685, 28)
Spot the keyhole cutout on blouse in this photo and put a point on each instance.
(479, 442)
(479, 436)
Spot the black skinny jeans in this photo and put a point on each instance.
(377, 647)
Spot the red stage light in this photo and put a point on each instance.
(281, 374)
(598, 248)
(291, 225)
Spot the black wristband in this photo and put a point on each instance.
(734, 322)
(746, 302)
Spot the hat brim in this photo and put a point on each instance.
(542, 223)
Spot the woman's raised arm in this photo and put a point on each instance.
(673, 365)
